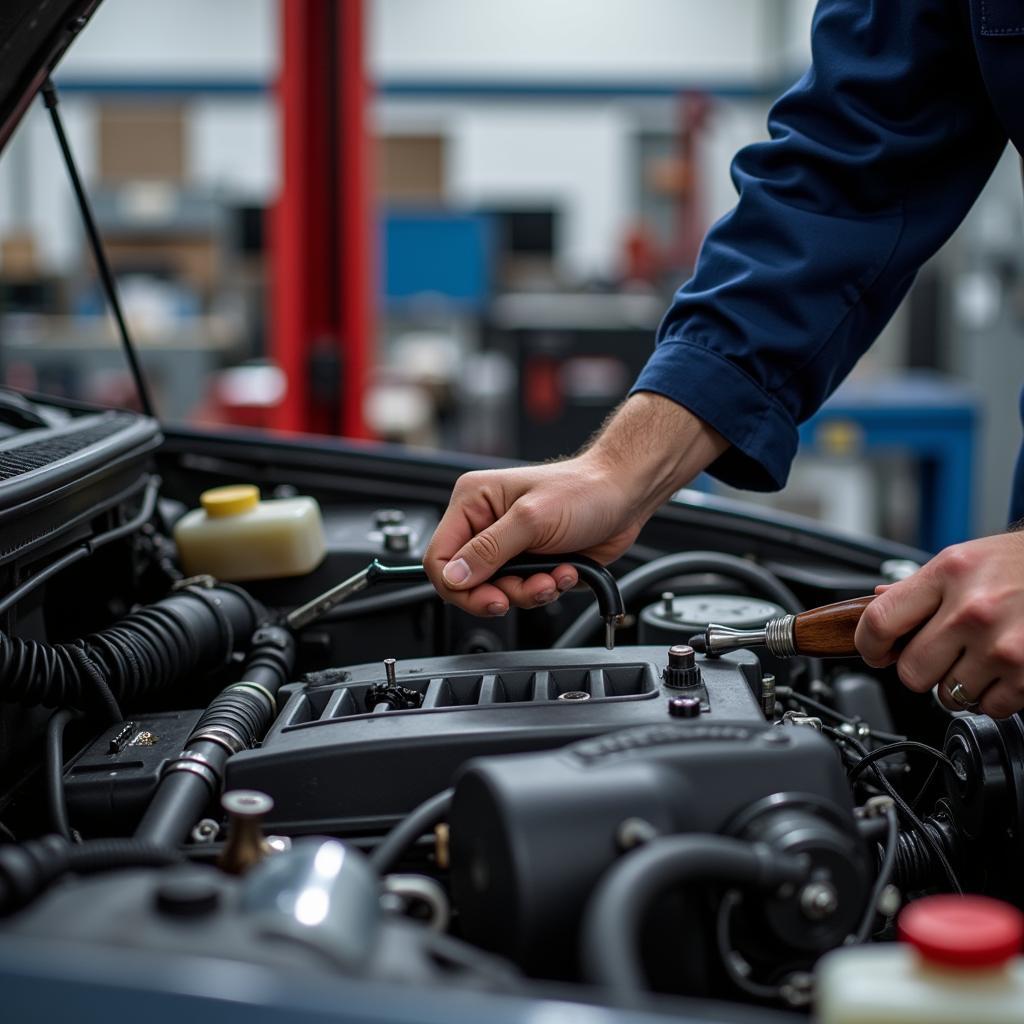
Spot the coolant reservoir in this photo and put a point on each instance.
(236, 536)
(959, 963)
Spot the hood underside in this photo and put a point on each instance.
(33, 37)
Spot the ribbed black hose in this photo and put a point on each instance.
(916, 865)
(183, 635)
(239, 716)
(26, 869)
(611, 925)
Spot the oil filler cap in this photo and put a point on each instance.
(963, 931)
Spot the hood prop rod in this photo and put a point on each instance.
(51, 99)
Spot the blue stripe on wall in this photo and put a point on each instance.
(413, 89)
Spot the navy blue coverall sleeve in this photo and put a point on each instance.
(875, 156)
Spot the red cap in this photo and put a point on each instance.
(963, 931)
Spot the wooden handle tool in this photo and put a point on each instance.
(825, 632)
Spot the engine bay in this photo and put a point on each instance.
(398, 792)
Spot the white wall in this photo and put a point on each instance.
(154, 39)
(573, 158)
(233, 147)
(574, 40)
(574, 152)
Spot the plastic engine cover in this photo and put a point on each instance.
(332, 763)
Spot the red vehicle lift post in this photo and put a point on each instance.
(322, 228)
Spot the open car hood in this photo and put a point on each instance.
(33, 37)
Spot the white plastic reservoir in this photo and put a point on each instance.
(236, 536)
(959, 963)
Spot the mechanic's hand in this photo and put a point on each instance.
(594, 503)
(967, 606)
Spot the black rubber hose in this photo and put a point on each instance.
(237, 719)
(389, 852)
(184, 635)
(616, 910)
(885, 870)
(634, 583)
(54, 768)
(26, 869)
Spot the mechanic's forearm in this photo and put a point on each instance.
(654, 446)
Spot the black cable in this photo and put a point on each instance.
(51, 99)
(788, 693)
(391, 848)
(54, 767)
(905, 809)
(613, 916)
(76, 554)
(884, 875)
(895, 748)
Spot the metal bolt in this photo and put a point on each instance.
(389, 671)
(574, 695)
(818, 900)
(667, 608)
(206, 831)
(768, 695)
(633, 832)
(388, 517)
(246, 846)
(681, 656)
(684, 707)
(798, 989)
(397, 539)
(890, 899)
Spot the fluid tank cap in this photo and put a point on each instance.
(726, 609)
(232, 500)
(963, 931)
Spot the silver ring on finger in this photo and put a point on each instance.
(958, 695)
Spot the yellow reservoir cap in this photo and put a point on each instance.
(233, 500)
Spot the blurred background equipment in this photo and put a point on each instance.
(456, 226)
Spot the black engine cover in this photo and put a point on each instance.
(332, 764)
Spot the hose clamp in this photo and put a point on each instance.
(222, 736)
(198, 764)
(262, 690)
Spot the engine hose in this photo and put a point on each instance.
(26, 869)
(634, 583)
(917, 867)
(237, 719)
(386, 856)
(54, 766)
(183, 635)
(613, 917)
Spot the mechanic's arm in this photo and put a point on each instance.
(875, 156)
